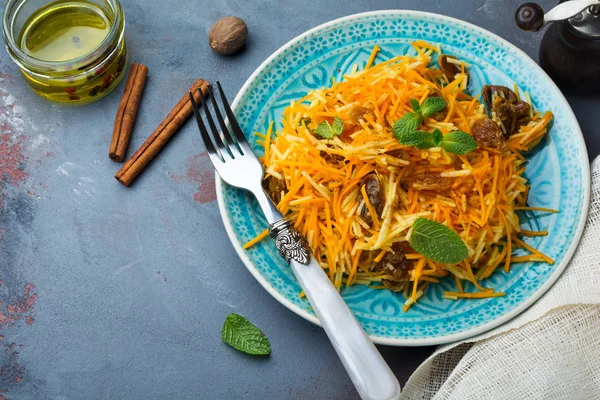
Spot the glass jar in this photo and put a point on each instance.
(82, 58)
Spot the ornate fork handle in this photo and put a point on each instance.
(367, 369)
(290, 243)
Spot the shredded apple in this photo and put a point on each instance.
(356, 195)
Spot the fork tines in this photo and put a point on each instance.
(226, 144)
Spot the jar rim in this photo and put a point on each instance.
(26, 61)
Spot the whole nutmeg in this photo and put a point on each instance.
(228, 35)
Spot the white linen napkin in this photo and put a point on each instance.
(550, 351)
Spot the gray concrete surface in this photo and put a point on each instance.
(115, 293)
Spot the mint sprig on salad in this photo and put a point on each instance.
(329, 131)
(455, 142)
(411, 120)
(437, 242)
(405, 129)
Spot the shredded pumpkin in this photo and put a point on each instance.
(320, 182)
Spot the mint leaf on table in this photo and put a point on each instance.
(458, 142)
(414, 104)
(437, 242)
(432, 105)
(418, 139)
(329, 131)
(408, 123)
(437, 137)
(242, 335)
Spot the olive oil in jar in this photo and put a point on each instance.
(64, 31)
(74, 39)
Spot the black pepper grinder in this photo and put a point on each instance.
(570, 48)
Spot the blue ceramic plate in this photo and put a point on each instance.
(558, 171)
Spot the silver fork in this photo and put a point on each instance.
(238, 166)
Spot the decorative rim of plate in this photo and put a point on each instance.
(417, 341)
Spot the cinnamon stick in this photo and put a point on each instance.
(159, 138)
(127, 111)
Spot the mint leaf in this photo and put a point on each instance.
(328, 131)
(437, 242)
(242, 335)
(337, 126)
(418, 139)
(458, 142)
(408, 123)
(414, 104)
(431, 105)
(324, 130)
(437, 136)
